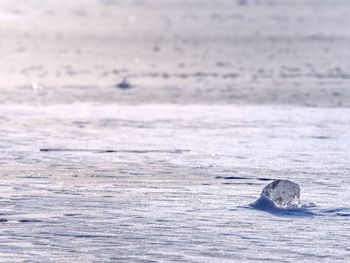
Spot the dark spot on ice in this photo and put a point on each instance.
(163, 220)
(332, 210)
(241, 157)
(265, 179)
(3, 220)
(232, 177)
(124, 84)
(29, 221)
(343, 214)
(71, 214)
(298, 161)
(321, 137)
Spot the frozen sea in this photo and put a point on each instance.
(224, 97)
(175, 185)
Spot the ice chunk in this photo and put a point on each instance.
(283, 193)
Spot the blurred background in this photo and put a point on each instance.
(224, 51)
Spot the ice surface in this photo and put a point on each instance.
(144, 203)
(206, 76)
(283, 193)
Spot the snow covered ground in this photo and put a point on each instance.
(178, 187)
(224, 97)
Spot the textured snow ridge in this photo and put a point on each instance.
(283, 193)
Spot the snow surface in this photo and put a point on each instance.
(177, 187)
(223, 97)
